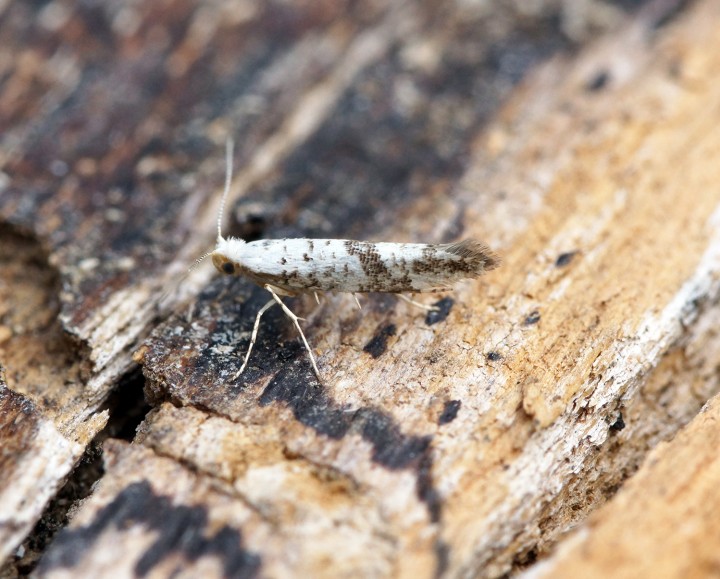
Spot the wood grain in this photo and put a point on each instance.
(464, 443)
(662, 522)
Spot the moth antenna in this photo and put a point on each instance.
(198, 261)
(165, 296)
(229, 146)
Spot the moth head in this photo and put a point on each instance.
(223, 264)
(227, 256)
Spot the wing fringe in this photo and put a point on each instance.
(477, 254)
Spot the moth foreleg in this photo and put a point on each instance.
(253, 337)
(294, 318)
(412, 302)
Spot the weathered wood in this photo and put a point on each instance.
(41, 433)
(108, 155)
(663, 523)
(34, 456)
(463, 443)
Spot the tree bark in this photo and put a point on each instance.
(465, 442)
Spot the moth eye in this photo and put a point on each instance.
(228, 267)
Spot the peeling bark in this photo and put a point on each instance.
(465, 442)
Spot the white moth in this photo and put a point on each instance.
(288, 267)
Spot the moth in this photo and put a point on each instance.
(290, 267)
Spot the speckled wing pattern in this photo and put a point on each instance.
(307, 265)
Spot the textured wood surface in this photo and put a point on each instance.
(663, 523)
(461, 443)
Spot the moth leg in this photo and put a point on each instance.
(294, 319)
(263, 309)
(357, 301)
(427, 308)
